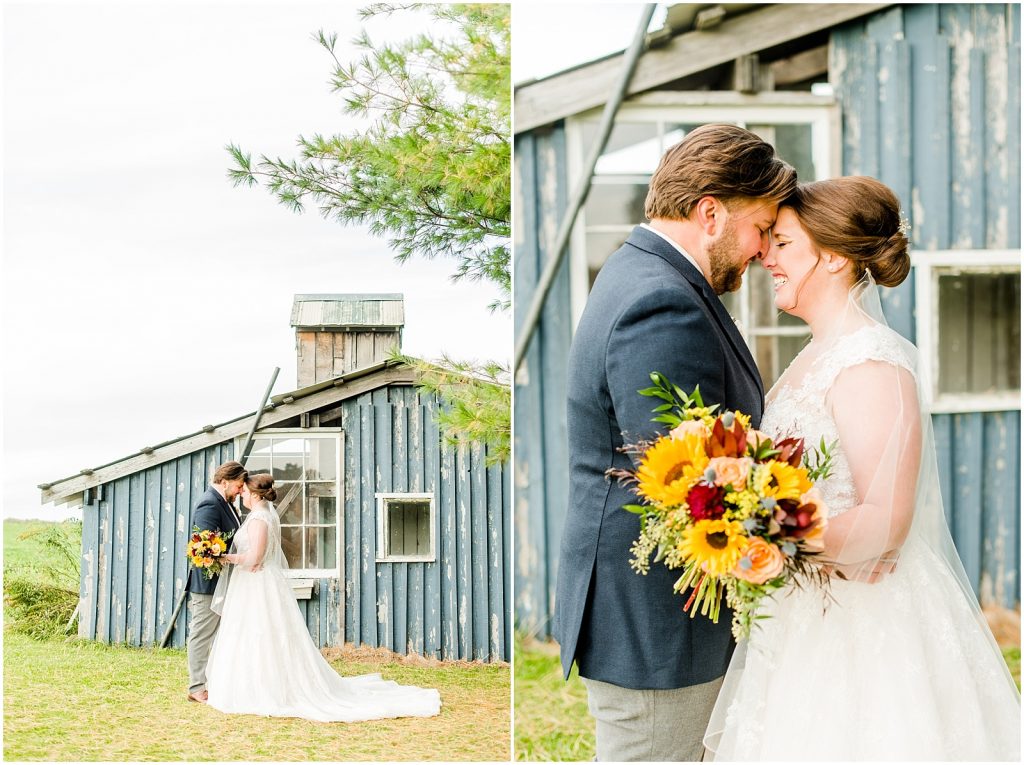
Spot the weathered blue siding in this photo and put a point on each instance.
(541, 451)
(930, 103)
(456, 607)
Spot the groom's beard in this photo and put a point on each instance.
(726, 274)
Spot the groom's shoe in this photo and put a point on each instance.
(199, 696)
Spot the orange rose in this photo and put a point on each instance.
(761, 561)
(731, 470)
(689, 428)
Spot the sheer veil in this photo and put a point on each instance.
(273, 555)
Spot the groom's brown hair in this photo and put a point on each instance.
(230, 471)
(718, 160)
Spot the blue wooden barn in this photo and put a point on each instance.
(925, 97)
(393, 538)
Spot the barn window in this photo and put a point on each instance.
(801, 126)
(405, 527)
(307, 476)
(968, 328)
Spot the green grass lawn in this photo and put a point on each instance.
(551, 718)
(78, 700)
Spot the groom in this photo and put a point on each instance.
(652, 673)
(215, 512)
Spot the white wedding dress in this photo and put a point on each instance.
(902, 669)
(264, 662)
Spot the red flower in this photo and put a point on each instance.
(706, 502)
(196, 538)
(796, 518)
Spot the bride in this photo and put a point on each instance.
(899, 664)
(263, 660)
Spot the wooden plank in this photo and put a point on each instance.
(106, 548)
(896, 132)
(414, 481)
(368, 531)
(432, 593)
(586, 87)
(223, 436)
(136, 554)
(165, 544)
(324, 352)
(1013, 138)
(464, 550)
(449, 547)
(382, 424)
(943, 429)
(151, 568)
(801, 67)
(967, 479)
(352, 518)
(364, 349)
(495, 565)
(478, 501)
(183, 501)
(89, 581)
(991, 37)
(120, 507)
(506, 568)
(305, 349)
(967, 165)
(929, 206)
(1000, 509)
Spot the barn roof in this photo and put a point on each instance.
(280, 408)
(679, 50)
(384, 311)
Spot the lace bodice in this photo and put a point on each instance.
(272, 552)
(800, 407)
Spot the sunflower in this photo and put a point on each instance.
(670, 468)
(716, 546)
(787, 481)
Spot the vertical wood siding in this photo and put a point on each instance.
(930, 101)
(542, 461)
(456, 607)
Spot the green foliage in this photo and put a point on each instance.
(478, 401)
(432, 170)
(41, 585)
(677, 401)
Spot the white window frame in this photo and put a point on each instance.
(778, 108)
(928, 266)
(303, 588)
(382, 527)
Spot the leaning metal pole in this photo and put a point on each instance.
(244, 456)
(579, 196)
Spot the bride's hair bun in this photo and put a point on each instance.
(262, 485)
(859, 218)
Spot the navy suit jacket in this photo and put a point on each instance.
(650, 310)
(212, 513)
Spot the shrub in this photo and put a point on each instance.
(40, 598)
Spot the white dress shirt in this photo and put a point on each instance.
(675, 244)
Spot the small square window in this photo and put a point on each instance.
(405, 527)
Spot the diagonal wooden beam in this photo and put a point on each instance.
(587, 87)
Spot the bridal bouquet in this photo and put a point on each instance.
(205, 548)
(735, 511)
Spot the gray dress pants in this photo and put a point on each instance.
(201, 630)
(651, 725)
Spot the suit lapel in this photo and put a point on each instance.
(654, 244)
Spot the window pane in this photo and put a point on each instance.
(259, 457)
(291, 544)
(288, 454)
(633, 147)
(289, 502)
(793, 144)
(774, 353)
(321, 547)
(408, 527)
(674, 133)
(599, 249)
(616, 203)
(321, 459)
(979, 332)
(321, 503)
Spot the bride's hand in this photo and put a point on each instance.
(256, 568)
(229, 558)
(868, 572)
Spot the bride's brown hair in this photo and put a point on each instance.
(262, 485)
(857, 217)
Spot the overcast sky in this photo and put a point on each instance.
(144, 296)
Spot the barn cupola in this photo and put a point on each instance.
(335, 334)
